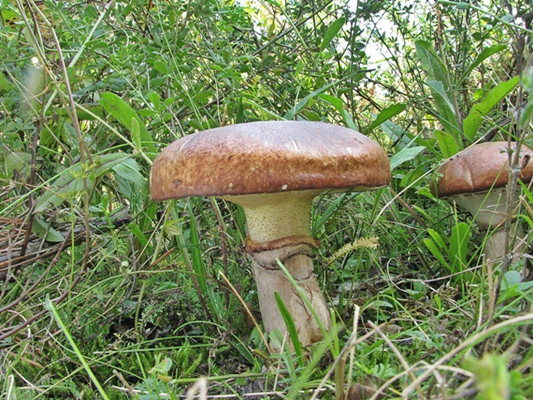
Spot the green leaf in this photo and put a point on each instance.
(155, 99)
(439, 93)
(385, 115)
(196, 254)
(131, 182)
(459, 245)
(381, 303)
(303, 103)
(527, 113)
(135, 130)
(446, 111)
(274, 3)
(16, 161)
(433, 65)
(291, 328)
(437, 238)
(124, 114)
(430, 244)
(480, 110)
(331, 32)
(332, 209)
(129, 170)
(405, 154)
(138, 233)
(447, 143)
(71, 180)
(396, 133)
(339, 106)
(240, 112)
(486, 53)
(441, 88)
(45, 231)
(5, 85)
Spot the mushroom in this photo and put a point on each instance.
(274, 170)
(476, 179)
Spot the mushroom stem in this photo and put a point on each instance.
(270, 279)
(495, 245)
(278, 228)
(490, 211)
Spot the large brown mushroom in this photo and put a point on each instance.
(274, 170)
(476, 179)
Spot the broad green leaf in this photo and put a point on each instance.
(437, 238)
(527, 80)
(155, 99)
(135, 130)
(16, 161)
(5, 85)
(331, 32)
(438, 91)
(445, 109)
(381, 303)
(131, 182)
(9, 13)
(405, 154)
(480, 110)
(310, 115)
(138, 233)
(396, 133)
(291, 328)
(384, 115)
(45, 231)
(486, 53)
(459, 245)
(462, 6)
(124, 114)
(511, 278)
(448, 145)
(424, 191)
(339, 106)
(71, 180)
(299, 68)
(433, 65)
(430, 244)
(160, 66)
(527, 113)
(441, 88)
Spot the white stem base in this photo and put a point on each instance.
(495, 245)
(271, 279)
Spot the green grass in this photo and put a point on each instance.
(135, 299)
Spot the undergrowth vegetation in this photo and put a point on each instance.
(106, 294)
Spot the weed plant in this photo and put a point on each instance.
(105, 294)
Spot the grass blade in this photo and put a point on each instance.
(291, 328)
(50, 306)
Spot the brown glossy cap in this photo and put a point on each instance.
(479, 168)
(268, 157)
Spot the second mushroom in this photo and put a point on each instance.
(476, 179)
(274, 170)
